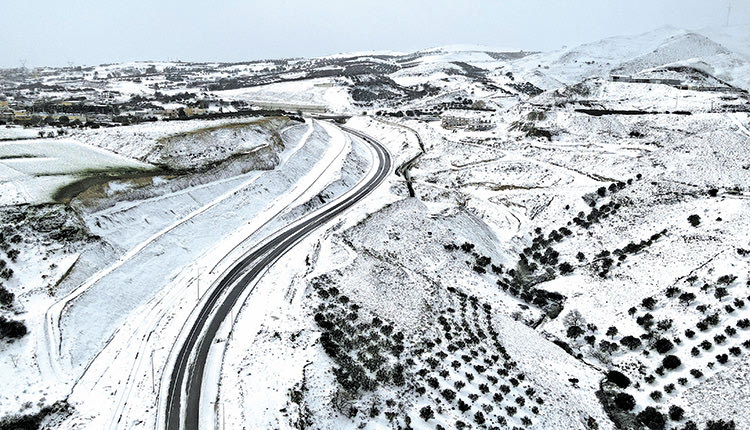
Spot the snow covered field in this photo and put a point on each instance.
(31, 171)
(312, 92)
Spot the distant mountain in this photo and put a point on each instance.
(632, 54)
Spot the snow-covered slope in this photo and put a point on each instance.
(735, 37)
(631, 54)
(573, 64)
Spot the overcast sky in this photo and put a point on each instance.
(89, 32)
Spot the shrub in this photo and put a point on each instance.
(426, 413)
(646, 321)
(663, 345)
(448, 394)
(687, 298)
(433, 382)
(612, 332)
(676, 413)
(721, 292)
(726, 279)
(648, 303)
(720, 425)
(483, 261)
(574, 332)
(6, 297)
(689, 333)
(618, 378)
(656, 395)
(565, 268)
(13, 254)
(624, 401)
(671, 362)
(6, 273)
(479, 418)
(664, 325)
(10, 329)
(463, 406)
(696, 373)
(694, 220)
(722, 358)
(652, 418)
(631, 342)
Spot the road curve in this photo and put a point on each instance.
(187, 374)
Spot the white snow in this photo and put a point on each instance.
(32, 170)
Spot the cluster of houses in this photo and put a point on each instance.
(8, 114)
(677, 83)
(22, 114)
(83, 112)
(453, 121)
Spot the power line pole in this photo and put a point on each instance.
(729, 11)
(153, 383)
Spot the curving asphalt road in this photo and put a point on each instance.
(187, 374)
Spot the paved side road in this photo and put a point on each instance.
(186, 379)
